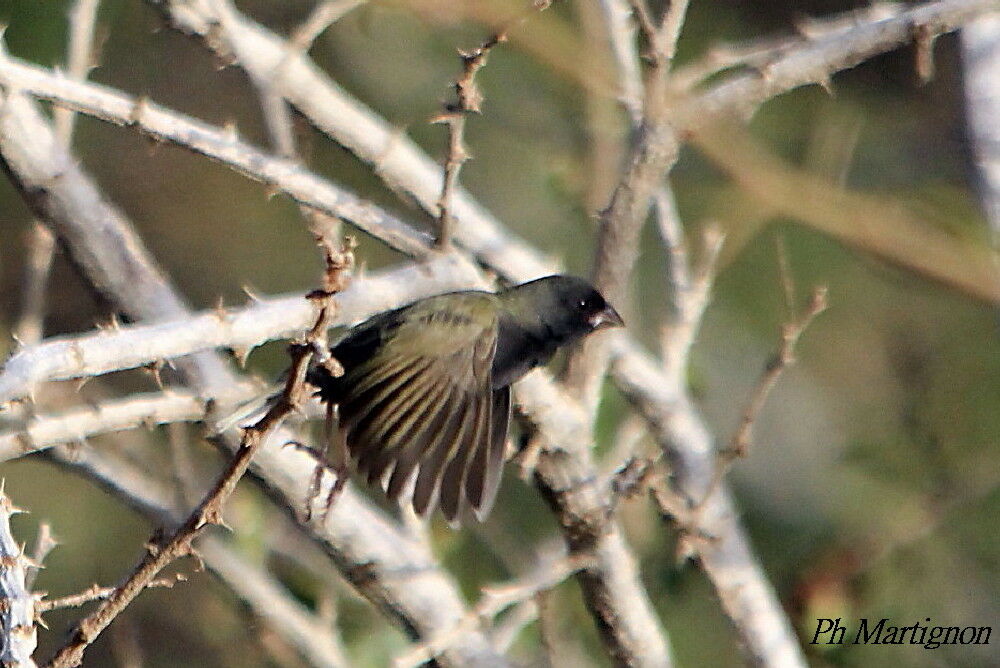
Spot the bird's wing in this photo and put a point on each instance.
(423, 408)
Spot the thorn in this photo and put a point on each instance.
(80, 382)
(154, 369)
(139, 109)
(827, 85)
(251, 294)
(232, 135)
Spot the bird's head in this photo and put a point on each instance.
(568, 307)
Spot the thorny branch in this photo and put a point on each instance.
(493, 601)
(209, 511)
(739, 445)
(469, 101)
(111, 256)
(250, 582)
(97, 593)
(18, 635)
(629, 354)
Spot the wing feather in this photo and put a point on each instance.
(430, 435)
(430, 469)
(484, 472)
(454, 478)
(389, 443)
(417, 400)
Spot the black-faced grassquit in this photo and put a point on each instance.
(425, 394)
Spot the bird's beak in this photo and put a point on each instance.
(606, 317)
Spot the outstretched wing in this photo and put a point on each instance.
(420, 406)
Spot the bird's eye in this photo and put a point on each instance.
(582, 304)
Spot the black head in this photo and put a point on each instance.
(567, 306)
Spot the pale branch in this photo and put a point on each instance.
(45, 542)
(18, 634)
(323, 15)
(78, 424)
(404, 167)
(251, 583)
(240, 329)
(690, 294)
(354, 534)
(615, 587)
(981, 82)
(80, 60)
(494, 600)
(567, 478)
(98, 593)
(747, 597)
(757, 53)
(216, 143)
(209, 510)
(816, 61)
(41, 246)
(621, 31)
(468, 101)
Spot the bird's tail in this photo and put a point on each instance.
(250, 411)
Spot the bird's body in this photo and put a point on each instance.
(425, 394)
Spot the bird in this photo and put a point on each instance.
(424, 400)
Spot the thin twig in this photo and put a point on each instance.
(785, 357)
(97, 593)
(45, 542)
(258, 588)
(41, 249)
(80, 59)
(370, 548)
(323, 15)
(494, 600)
(469, 101)
(209, 511)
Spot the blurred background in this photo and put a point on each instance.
(871, 489)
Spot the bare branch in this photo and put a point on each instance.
(96, 593)
(323, 15)
(44, 431)
(44, 543)
(18, 635)
(209, 511)
(41, 248)
(790, 334)
(981, 77)
(469, 101)
(310, 635)
(216, 143)
(80, 59)
(135, 346)
(494, 600)
(746, 595)
(568, 480)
